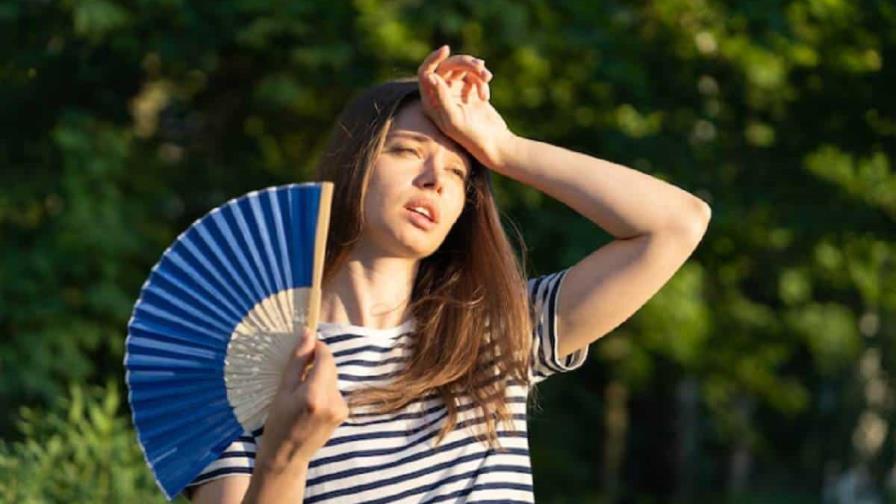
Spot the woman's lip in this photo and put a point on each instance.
(420, 221)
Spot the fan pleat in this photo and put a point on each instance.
(151, 312)
(265, 229)
(170, 280)
(187, 436)
(142, 393)
(165, 333)
(142, 361)
(198, 281)
(203, 257)
(150, 410)
(164, 431)
(280, 234)
(207, 233)
(303, 240)
(154, 346)
(170, 377)
(182, 312)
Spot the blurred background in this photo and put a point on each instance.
(759, 373)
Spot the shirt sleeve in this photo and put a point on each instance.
(237, 458)
(543, 295)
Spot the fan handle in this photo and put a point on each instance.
(320, 243)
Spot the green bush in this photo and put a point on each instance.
(82, 450)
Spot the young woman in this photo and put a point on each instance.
(415, 387)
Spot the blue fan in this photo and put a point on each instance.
(216, 322)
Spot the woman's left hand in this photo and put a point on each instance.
(447, 85)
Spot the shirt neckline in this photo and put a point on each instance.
(334, 328)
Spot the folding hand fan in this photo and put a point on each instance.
(216, 322)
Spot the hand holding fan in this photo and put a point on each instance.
(216, 322)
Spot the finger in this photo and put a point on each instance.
(302, 355)
(482, 88)
(441, 92)
(428, 84)
(457, 82)
(466, 63)
(465, 91)
(476, 84)
(324, 366)
(432, 61)
(454, 75)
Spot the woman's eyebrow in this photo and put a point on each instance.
(419, 137)
(412, 136)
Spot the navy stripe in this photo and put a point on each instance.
(485, 486)
(217, 472)
(368, 378)
(370, 363)
(553, 289)
(365, 348)
(233, 454)
(339, 338)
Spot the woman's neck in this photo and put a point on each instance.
(370, 292)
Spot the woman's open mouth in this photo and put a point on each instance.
(420, 220)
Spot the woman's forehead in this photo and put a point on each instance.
(411, 123)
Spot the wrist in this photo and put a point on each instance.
(276, 482)
(282, 461)
(505, 151)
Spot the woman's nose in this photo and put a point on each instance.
(432, 176)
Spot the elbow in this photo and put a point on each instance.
(704, 212)
(695, 220)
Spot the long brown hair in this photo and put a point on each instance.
(469, 301)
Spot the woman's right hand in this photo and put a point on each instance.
(306, 409)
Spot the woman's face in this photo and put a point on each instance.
(419, 171)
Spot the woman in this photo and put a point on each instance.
(433, 337)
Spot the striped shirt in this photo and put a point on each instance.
(375, 458)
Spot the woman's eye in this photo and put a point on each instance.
(404, 149)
